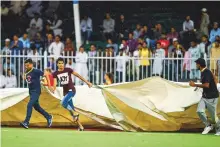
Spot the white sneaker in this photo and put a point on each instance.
(217, 134)
(207, 129)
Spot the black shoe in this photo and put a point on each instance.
(50, 121)
(24, 125)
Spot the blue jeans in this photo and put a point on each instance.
(34, 102)
(67, 101)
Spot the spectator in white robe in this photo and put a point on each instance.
(81, 65)
(56, 48)
(158, 60)
(11, 81)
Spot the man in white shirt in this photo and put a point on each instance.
(56, 25)
(81, 65)
(6, 48)
(86, 28)
(11, 81)
(158, 60)
(56, 48)
(109, 26)
(188, 26)
(121, 65)
(2, 80)
(38, 22)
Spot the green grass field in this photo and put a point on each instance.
(19, 137)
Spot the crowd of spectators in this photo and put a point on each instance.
(138, 53)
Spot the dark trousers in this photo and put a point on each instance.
(34, 102)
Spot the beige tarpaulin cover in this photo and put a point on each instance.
(153, 104)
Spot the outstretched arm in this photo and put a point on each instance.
(81, 78)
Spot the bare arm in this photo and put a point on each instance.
(48, 79)
(81, 78)
(55, 84)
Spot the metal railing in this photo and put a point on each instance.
(124, 68)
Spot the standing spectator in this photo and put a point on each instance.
(204, 22)
(132, 43)
(33, 53)
(186, 65)
(120, 65)
(56, 48)
(39, 42)
(137, 32)
(48, 30)
(49, 41)
(214, 32)
(158, 31)
(158, 60)
(69, 49)
(145, 54)
(122, 27)
(25, 41)
(111, 44)
(164, 44)
(81, 65)
(86, 28)
(136, 62)
(188, 26)
(6, 48)
(8, 65)
(38, 22)
(205, 47)
(195, 53)
(52, 64)
(124, 46)
(2, 80)
(56, 25)
(109, 27)
(11, 81)
(173, 34)
(17, 7)
(214, 56)
(52, 7)
(35, 8)
(16, 46)
(71, 65)
(93, 65)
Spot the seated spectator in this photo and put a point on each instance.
(214, 32)
(86, 28)
(35, 8)
(188, 26)
(4, 10)
(164, 43)
(2, 81)
(195, 53)
(157, 32)
(37, 21)
(137, 32)
(16, 46)
(6, 48)
(122, 27)
(69, 49)
(109, 26)
(145, 54)
(108, 78)
(158, 60)
(17, 7)
(56, 25)
(32, 32)
(124, 46)
(25, 41)
(11, 80)
(132, 43)
(52, 7)
(145, 33)
(173, 34)
(81, 65)
(39, 43)
(48, 30)
(111, 44)
(8, 65)
(56, 48)
(215, 54)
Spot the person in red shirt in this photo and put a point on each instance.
(44, 81)
(164, 44)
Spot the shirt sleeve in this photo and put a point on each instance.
(70, 70)
(41, 73)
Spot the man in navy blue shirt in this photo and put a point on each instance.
(32, 77)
